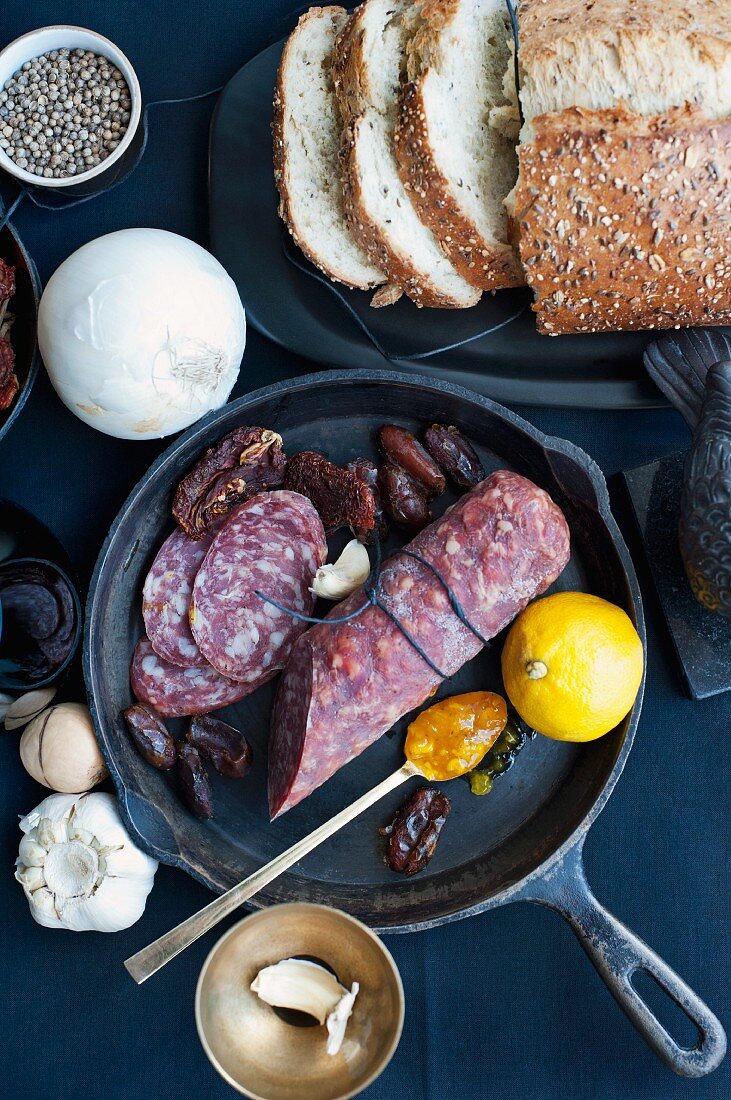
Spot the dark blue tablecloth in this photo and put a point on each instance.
(504, 1005)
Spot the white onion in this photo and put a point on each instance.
(142, 333)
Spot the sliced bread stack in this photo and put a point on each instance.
(369, 198)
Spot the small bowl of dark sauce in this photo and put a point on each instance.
(40, 623)
(40, 609)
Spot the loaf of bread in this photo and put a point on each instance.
(623, 203)
(306, 130)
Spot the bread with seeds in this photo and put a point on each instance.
(455, 137)
(369, 64)
(623, 202)
(306, 130)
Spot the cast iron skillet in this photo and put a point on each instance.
(521, 842)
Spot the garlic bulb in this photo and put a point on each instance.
(308, 987)
(59, 749)
(142, 333)
(78, 866)
(350, 571)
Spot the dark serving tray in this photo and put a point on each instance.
(547, 800)
(289, 305)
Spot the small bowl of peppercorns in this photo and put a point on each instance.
(70, 105)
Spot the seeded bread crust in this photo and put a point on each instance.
(303, 235)
(625, 221)
(356, 98)
(489, 265)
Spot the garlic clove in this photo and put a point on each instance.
(351, 570)
(116, 904)
(337, 1021)
(301, 985)
(30, 878)
(5, 702)
(43, 909)
(51, 831)
(31, 853)
(27, 707)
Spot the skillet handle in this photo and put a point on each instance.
(617, 953)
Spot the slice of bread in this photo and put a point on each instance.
(455, 157)
(306, 130)
(369, 62)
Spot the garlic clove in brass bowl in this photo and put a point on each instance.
(254, 1046)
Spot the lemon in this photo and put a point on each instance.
(572, 666)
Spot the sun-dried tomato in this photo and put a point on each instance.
(414, 831)
(7, 280)
(8, 380)
(341, 497)
(242, 463)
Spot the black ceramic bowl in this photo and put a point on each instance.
(24, 307)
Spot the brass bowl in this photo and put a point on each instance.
(265, 1057)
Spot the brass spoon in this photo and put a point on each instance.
(454, 756)
(152, 958)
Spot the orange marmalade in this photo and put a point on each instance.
(451, 737)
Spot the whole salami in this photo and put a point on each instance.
(174, 691)
(500, 546)
(273, 544)
(166, 599)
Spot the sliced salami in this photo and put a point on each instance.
(166, 599)
(273, 544)
(345, 684)
(174, 691)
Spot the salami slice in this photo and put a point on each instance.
(174, 691)
(274, 544)
(166, 599)
(345, 684)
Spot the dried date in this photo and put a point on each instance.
(194, 784)
(401, 448)
(367, 471)
(151, 737)
(414, 831)
(455, 455)
(242, 463)
(228, 750)
(341, 497)
(402, 498)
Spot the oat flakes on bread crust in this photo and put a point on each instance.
(369, 59)
(306, 132)
(625, 221)
(456, 165)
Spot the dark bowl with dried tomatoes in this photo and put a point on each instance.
(23, 334)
